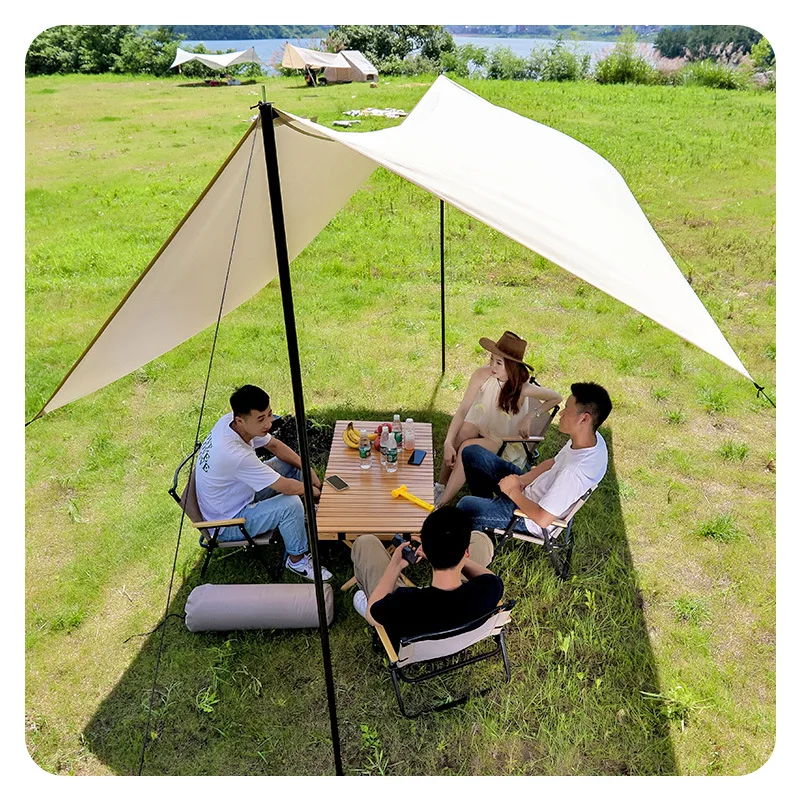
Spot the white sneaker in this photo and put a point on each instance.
(360, 603)
(305, 568)
(438, 491)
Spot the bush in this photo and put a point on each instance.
(465, 61)
(626, 64)
(505, 64)
(712, 74)
(559, 63)
(151, 53)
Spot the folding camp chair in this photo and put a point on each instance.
(210, 529)
(436, 653)
(537, 433)
(536, 438)
(557, 539)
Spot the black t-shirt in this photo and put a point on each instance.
(409, 612)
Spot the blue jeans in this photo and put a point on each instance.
(270, 510)
(483, 471)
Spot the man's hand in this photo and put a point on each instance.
(316, 491)
(315, 482)
(398, 562)
(510, 485)
(450, 454)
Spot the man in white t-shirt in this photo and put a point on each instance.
(232, 481)
(547, 491)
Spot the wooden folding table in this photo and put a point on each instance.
(368, 506)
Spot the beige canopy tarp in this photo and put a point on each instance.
(336, 66)
(536, 185)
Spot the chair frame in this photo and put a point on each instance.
(436, 667)
(526, 441)
(558, 546)
(210, 528)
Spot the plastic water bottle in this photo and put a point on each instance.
(408, 434)
(365, 450)
(397, 430)
(384, 443)
(391, 454)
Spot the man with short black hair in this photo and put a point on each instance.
(233, 482)
(547, 491)
(462, 588)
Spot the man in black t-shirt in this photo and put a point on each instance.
(462, 588)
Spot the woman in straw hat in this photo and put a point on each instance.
(500, 402)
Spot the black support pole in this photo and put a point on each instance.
(282, 253)
(441, 262)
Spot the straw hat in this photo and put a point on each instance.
(509, 346)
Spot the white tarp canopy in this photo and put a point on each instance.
(219, 60)
(536, 185)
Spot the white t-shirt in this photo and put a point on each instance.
(573, 473)
(229, 472)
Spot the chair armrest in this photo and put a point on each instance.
(387, 645)
(219, 523)
(558, 523)
(530, 439)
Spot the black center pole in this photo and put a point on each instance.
(282, 253)
(441, 260)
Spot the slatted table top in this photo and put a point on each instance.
(368, 506)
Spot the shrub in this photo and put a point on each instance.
(465, 61)
(626, 64)
(558, 63)
(713, 74)
(505, 64)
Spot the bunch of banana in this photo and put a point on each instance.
(352, 437)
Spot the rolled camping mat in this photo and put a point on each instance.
(248, 606)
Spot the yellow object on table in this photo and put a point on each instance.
(402, 491)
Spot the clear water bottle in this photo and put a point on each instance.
(365, 450)
(391, 454)
(384, 443)
(397, 430)
(408, 434)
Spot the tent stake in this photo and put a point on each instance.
(441, 263)
(282, 253)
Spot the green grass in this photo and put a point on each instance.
(608, 676)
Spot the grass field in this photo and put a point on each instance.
(656, 657)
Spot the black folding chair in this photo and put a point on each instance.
(557, 538)
(437, 653)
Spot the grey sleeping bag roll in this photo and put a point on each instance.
(231, 607)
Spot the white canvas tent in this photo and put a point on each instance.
(219, 60)
(536, 185)
(362, 70)
(337, 67)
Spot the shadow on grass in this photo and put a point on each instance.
(254, 702)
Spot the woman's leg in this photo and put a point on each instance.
(468, 430)
(457, 478)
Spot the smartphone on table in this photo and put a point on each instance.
(337, 483)
(416, 457)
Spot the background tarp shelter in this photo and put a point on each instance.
(362, 70)
(455, 145)
(218, 60)
(336, 67)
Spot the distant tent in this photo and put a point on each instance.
(219, 60)
(349, 65)
(362, 69)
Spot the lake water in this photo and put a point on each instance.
(270, 50)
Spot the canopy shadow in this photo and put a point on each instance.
(253, 702)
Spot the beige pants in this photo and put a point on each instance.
(370, 558)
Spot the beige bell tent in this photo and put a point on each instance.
(584, 219)
(349, 65)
